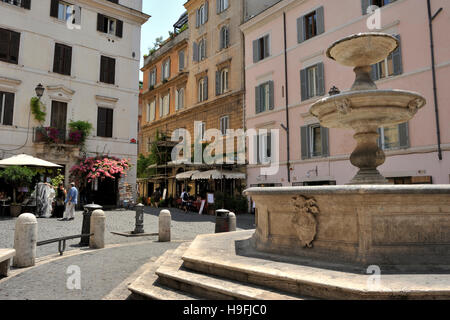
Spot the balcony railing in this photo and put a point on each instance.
(52, 135)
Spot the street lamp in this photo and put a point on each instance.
(39, 90)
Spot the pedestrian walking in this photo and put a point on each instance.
(157, 197)
(60, 200)
(184, 200)
(71, 201)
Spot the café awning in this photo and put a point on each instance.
(186, 175)
(218, 175)
(27, 160)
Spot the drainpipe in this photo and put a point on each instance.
(431, 17)
(286, 128)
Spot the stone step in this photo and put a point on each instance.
(216, 255)
(172, 274)
(147, 287)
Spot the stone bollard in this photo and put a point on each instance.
(97, 241)
(25, 238)
(232, 221)
(165, 219)
(139, 228)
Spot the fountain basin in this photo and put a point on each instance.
(363, 49)
(378, 108)
(396, 227)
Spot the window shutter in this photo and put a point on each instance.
(222, 38)
(181, 60)
(109, 123)
(206, 88)
(218, 84)
(301, 29)
(197, 18)
(206, 10)
(77, 15)
(324, 133)
(177, 99)
(119, 29)
(54, 8)
(57, 58)
(320, 21)
(26, 4)
(204, 49)
(374, 73)
(255, 51)
(305, 142)
(168, 69)
(14, 47)
(100, 23)
(9, 109)
(258, 99)
(271, 96)
(403, 133)
(304, 84)
(101, 122)
(397, 59)
(160, 107)
(112, 70)
(67, 60)
(195, 53)
(266, 46)
(365, 5)
(218, 6)
(320, 79)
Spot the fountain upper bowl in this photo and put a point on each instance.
(376, 108)
(363, 49)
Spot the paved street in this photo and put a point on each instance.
(103, 270)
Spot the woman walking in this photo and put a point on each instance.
(60, 201)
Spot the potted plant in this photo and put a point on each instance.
(79, 131)
(17, 176)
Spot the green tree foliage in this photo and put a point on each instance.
(17, 176)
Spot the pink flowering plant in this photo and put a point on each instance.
(100, 168)
(53, 134)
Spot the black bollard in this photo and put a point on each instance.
(86, 227)
(139, 229)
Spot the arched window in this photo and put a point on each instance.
(203, 89)
(224, 80)
(224, 37)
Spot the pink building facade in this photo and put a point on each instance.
(287, 70)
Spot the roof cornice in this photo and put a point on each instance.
(117, 10)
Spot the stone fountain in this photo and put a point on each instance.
(365, 108)
(322, 242)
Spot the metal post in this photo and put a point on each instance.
(139, 229)
(86, 227)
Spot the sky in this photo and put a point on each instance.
(164, 13)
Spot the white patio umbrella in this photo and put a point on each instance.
(27, 160)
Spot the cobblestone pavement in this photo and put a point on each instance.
(102, 270)
(185, 226)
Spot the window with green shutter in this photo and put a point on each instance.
(62, 62)
(310, 25)
(261, 48)
(312, 81)
(264, 97)
(314, 141)
(105, 122)
(394, 137)
(391, 66)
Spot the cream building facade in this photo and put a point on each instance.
(88, 63)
